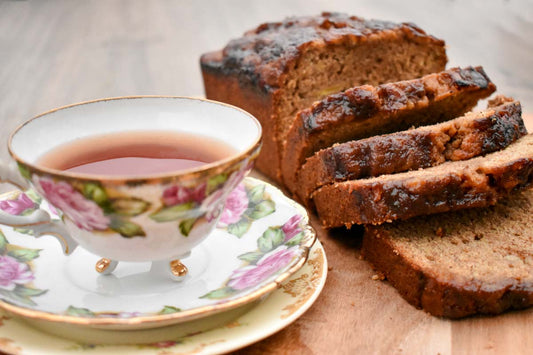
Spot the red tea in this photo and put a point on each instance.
(136, 153)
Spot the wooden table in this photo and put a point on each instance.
(53, 53)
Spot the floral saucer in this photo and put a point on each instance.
(262, 238)
(282, 307)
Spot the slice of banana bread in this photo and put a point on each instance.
(460, 263)
(476, 133)
(366, 111)
(476, 182)
(280, 68)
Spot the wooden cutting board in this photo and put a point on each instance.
(358, 315)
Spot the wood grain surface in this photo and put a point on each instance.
(54, 53)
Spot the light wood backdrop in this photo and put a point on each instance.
(54, 53)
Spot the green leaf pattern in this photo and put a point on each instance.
(169, 310)
(215, 182)
(129, 206)
(126, 228)
(24, 255)
(87, 313)
(24, 171)
(172, 213)
(270, 239)
(238, 229)
(276, 240)
(3, 242)
(79, 312)
(186, 226)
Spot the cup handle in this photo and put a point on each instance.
(39, 221)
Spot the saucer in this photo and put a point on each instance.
(282, 307)
(262, 238)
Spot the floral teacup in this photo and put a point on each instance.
(157, 218)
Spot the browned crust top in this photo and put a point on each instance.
(460, 139)
(326, 122)
(477, 182)
(365, 101)
(264, 54)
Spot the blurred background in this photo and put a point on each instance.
(57, 52)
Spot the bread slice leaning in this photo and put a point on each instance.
(477, 182)
(366, 111)
(460, 263)
(476, 133)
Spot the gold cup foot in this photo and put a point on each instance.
(178, 269)
(105, 266)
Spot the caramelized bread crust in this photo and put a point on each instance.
(476, 133)
(264, 56)
(477, 182)
(280, 68)
(367, 111)
(460, 263)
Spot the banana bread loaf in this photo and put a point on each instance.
(476, 182)
(366, 111)
(460, 263)
(280, 68)
(476, 133)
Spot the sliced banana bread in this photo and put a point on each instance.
(366, 111)
(460, 263)
(476, 133)
(476, 182)
(280, 68)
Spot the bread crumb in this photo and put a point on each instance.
(330, 268)
(439, 232)
(379, 276)
(352, 304)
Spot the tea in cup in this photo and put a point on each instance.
(134, 178)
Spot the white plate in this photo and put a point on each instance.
(263, 238)
(282, 307)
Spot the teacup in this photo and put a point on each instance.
(157, 218)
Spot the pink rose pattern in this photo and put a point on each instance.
(233, 182)
(236, 204)
(208, 196)
(16, 275)
(16, 207)
(13, 273)
(86, 214)
(268, 265)
(277, 247)
(244, 205)
(210, 202)
(292, 227)
(175, 195)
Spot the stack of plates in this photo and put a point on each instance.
(258, 272)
